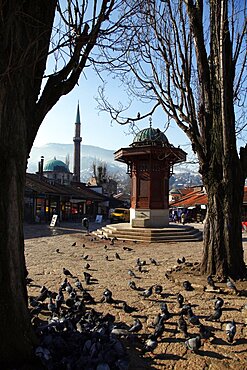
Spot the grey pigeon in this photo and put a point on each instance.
(136, 327)
(153, 261)
(230, 331)
(158, 289)
(159, 329)
(107, 296)
(182, 326)
(131, 273)
(204, 332)
(211, 282)
(218, 303)
(216, 315)
(192, 318)
(231, 285)
(127, 308)
(193, 344)
(117, 256)
(67, 272)
(180, 300)
(132, 285)
(150, 344)
(147, 293)
(187, 285)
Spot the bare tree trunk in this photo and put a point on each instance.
(25, 29)
(223, 251)
(16, 335)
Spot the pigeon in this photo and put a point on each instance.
(187, 285)
(180, 260)
(210, 282)
(107, 296)
(67, 272)
(127, 308)
(193, 344)
(231, 285)
(185, 308)
(59, 300)
(43, 295)
(218, 303)
(127, 249)
(204, 332)
(182, 326)
(85, 257)
(136, 327)
(158, 289)
(159, 329)
(132, 285)
(150, 344)
(230, 331)
(68, 287)
(193, 319)
(117, 256)
(147, 293)
(51, 306)
(105, 247)
(153, 261)
(87, 266)
(157, 319)
(87, 297)
(74, 244)
(78, 284)
(165, 314)
(131, 273)
(64, 284)
(33, 302)
(216, 315)
(87, 277)
(180, 300)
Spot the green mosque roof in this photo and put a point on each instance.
(150, 136)
(56, 165)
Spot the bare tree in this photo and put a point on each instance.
(30, 31)
(189, 57)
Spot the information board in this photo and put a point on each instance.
(53, 220)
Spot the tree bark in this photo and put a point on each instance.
(223, 251)
(222, 172)
(25, 29)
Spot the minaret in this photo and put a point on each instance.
(77, 147)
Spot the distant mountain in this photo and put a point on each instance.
(183, 176)
(89, 154)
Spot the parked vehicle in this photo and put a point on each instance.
(120, 215)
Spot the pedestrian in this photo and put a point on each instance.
(183, 218)
(85, 223)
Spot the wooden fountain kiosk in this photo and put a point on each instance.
(150, 159)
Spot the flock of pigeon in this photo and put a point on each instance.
(73, 335)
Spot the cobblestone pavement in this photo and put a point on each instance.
(48, 250)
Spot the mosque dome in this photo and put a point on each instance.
(150, 136)
(55, 165)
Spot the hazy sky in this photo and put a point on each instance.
(96, 127)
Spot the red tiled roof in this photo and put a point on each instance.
(198, 197)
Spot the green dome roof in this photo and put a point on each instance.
(56, 165)
(150, 136)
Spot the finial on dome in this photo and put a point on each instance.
(150, 122)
